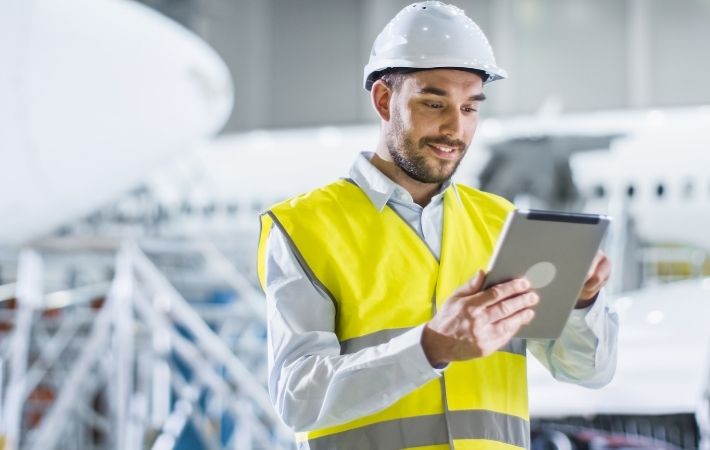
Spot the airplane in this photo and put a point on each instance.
(653, 180)
(652, 165)
(96, 94)
(643, 163)
(661, 387)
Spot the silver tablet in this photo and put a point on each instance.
(554, 251)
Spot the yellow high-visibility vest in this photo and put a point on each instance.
(384, 280)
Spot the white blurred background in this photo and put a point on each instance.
(140, 141)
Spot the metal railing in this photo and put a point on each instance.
(135, 371)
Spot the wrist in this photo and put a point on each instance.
(585, 303)
(432, 345)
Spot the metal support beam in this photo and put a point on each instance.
(123, 343)
(29, 297)
(236, 279)
(51, 429)
(208, 342)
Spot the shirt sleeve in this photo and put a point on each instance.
(310, 383)
(585, 353)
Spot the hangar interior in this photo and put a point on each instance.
(138, 163)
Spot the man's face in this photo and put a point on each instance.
(433, 118)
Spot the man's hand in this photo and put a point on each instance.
(474, 323)
(597, 277)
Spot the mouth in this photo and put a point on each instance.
(444, 151)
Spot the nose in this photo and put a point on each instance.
(452, 126)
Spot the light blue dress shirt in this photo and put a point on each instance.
(313, 386)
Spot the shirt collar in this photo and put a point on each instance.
(380, 189)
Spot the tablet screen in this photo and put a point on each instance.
(554, 251)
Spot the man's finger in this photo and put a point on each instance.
(604, 268)
(507, 327)
(500, 292)
(599, 277)
(472, 286)
(508, 307)
(598, 258)
(597, 280)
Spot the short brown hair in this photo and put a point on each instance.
(394, 77)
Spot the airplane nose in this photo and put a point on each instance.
(96, 93)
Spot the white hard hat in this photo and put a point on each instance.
(432, 34)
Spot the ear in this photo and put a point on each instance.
(381, 95)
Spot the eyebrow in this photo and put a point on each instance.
(436, 91)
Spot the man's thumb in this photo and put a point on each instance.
(476, 283)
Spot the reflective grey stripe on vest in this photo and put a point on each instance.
(320, 287)
(428, 430)
(516, 346)
(370, 340)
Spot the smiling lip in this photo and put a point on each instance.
(442, 154)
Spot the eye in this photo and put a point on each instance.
(434, 105)
(470, 109)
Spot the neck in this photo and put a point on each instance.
(420, 192)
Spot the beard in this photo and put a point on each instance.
(417, 159)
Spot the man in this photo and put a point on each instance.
(379, 334)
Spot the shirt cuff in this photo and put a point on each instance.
(409, 345)
(588, 317)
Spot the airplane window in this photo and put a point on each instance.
(209, 209)
(599, 191)
(688, 189)
(232, 208)
(630, 191)
(660, 190)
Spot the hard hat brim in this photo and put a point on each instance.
(486, 74)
